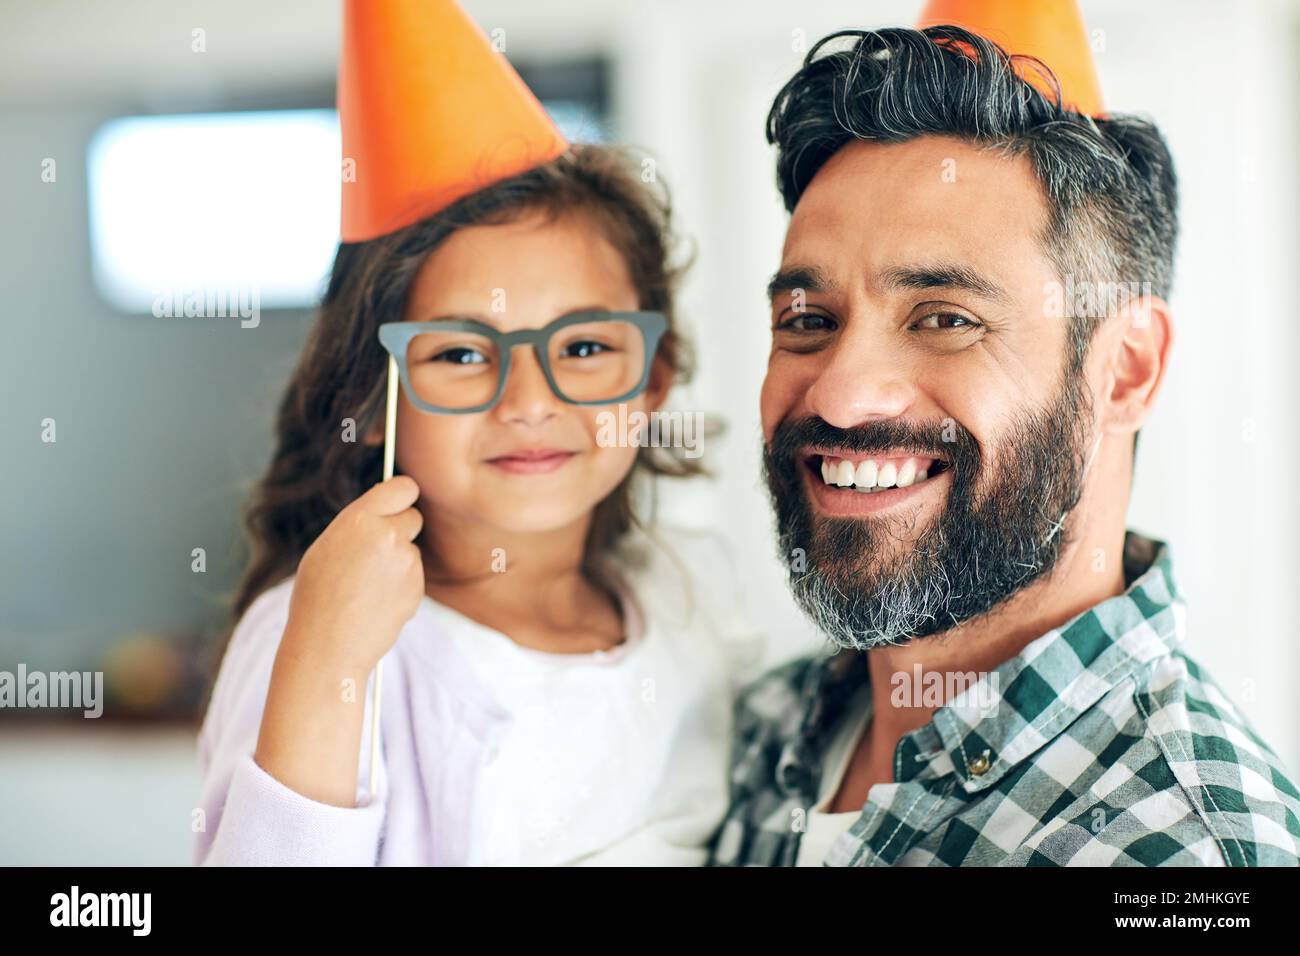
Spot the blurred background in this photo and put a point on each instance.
(171, 143)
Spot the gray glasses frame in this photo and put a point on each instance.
(397, 336)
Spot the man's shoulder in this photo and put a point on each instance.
(1187, 782)
(1237, 783)
(770, 713)
(776, 700)
(769, 717)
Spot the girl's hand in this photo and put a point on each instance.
(362, 579)
(357, 584)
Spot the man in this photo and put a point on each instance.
(969, 327)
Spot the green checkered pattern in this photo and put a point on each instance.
(1106, 746)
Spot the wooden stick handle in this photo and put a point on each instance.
(390, 451)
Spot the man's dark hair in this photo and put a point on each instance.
(1111, 191)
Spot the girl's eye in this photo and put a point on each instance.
(945, 320)
(461, 356)
(805, 322)
(583, 349)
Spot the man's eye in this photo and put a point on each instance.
(461, 356)
(945, 320)
(805, 322)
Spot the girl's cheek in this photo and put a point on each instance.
(619, 459)
(612, 428)
(433, 449)
(613, 434)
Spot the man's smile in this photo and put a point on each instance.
(848, 484)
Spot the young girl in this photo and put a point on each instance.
(558, 680)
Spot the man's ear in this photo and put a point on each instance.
(1139, 355)
(660, 384)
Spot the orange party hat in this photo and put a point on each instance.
(430, 113)
(1051, 30)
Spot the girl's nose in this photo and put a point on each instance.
(527, 398)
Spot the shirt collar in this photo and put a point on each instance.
(1009, 713)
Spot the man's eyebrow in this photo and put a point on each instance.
(808, 278)
(939, 276)
(944, 276)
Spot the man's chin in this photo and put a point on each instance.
(861, 569)
(867, 546)
(866, 589)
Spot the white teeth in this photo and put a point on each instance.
(865, 476)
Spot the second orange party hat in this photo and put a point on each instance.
(1051, 30)
(430, 113)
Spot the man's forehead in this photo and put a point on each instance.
(933, 160)
(934, 199)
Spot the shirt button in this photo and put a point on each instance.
(980, 765)
(492, 754)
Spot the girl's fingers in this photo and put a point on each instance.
(408, 523)
(389, 497)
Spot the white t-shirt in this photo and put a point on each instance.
(821, 829)
(497, 754)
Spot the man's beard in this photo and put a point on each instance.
(987, 544)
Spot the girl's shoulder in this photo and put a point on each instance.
(244, 674)
(267, 612)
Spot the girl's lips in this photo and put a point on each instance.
(531, 463)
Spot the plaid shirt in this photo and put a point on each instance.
(1107, 746)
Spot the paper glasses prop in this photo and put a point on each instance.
(458, 367)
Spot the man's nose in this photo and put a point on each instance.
(863, 380)
(527, 398)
